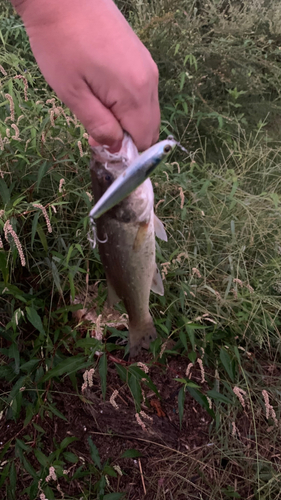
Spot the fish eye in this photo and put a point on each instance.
(167, 148)
(107, 178)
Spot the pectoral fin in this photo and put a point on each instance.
(141, 235)
(157, 285)
(159, 229)
(112, 297)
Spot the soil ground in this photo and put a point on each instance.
(174, 463)
(115, 430)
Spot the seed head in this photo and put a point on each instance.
(118, 470)
(240, 393)
(165, 268)
(112, 399)
(144, 415)
(143, 367)
(163, 349)
(17, 132)
(26, 144)
(51, 101)
(234, 429)
(44, 211)
(62, 182)
(196, 271)
(21, 77)
(238, 281)
(3, 71)
(158, 203)
(12, 106)
(188, 370)
(209, 402)
(200, 363)
(88, 379)
(99, 330)
(79, 144)
(269, 410)
(181, 197)
(52, 475)
(8, 230)
(52, 113)
(20, 118)
(140, 422)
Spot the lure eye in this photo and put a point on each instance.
(167, 148)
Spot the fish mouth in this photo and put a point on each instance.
(134, 175)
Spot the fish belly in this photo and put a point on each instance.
(128, 256)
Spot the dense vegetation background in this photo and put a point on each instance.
(220, 73)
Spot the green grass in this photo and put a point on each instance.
(220, 68)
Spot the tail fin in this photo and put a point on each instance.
(140, 335)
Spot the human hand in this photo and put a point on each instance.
(97, 66)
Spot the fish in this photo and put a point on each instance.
(125, 235)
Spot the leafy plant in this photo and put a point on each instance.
(219, 66)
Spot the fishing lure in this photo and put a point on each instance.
(134, 175)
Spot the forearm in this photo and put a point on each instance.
(48, 12)
(43, 10)
(97, 66)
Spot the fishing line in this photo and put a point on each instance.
(171, 138)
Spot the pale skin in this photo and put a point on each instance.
(97, 66)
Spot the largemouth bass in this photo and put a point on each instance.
(126, 240)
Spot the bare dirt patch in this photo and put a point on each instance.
(175, 461)
(115, 430)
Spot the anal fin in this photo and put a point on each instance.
(159, 229)
(112, 297)
(157, 284)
